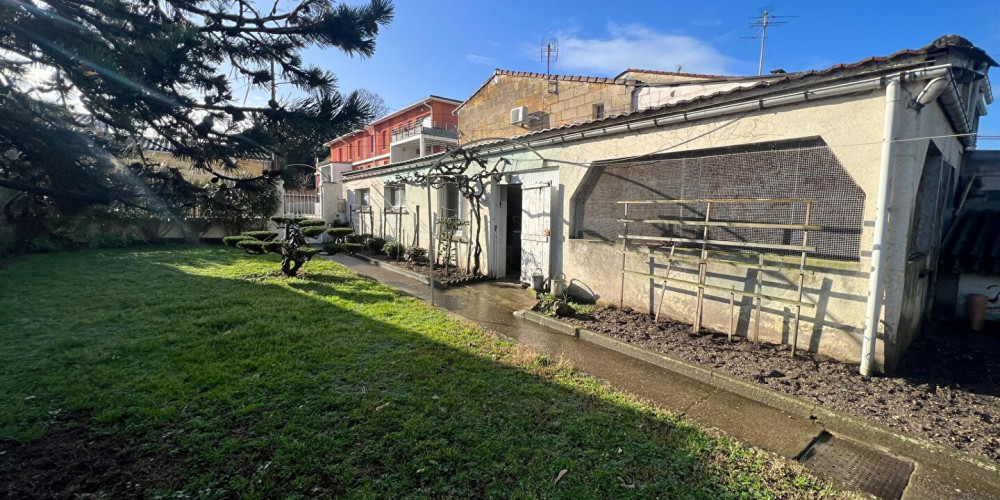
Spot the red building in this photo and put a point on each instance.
(422, 128)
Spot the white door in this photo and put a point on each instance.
(536, 229)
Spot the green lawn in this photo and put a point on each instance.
(234, 382)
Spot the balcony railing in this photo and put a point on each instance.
(440, 129)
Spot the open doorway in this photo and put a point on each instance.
(513, 231)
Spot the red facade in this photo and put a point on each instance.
(369, 147)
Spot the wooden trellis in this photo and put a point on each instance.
(704, 260)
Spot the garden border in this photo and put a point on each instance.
(858, 429)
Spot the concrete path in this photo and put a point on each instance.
(492, 304)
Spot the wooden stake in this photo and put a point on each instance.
(702, 271)
(663, 294)
(732, 309)
(760, 289)
(621, 293)
(802, 278)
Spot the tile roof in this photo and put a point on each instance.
(902, 58)
(671, 73)
(564, 78)
(974, 244)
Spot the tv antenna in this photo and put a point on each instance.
(761, 24)
(550, 53)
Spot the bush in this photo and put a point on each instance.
(272, 246)
(353, 248)
(339, 233)
(251, 246)
(261, 235)
(333, 248)
(231, 241)
(394, 249)
(304, 253)
(374, 244)
(357, 238)
(311, 222)
(416, 255)
(312, 231)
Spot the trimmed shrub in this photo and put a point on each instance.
(353, 247)
(357, 238)
(304, 253)
(312, 231)
(251, 246)
(333, 248)
(374, 244)
(231, 241)
(272, 246)
(394, 249)
(311, 222)
(417, 255)
(261, 235)
(339, 233)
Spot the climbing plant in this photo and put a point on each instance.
(464, 168)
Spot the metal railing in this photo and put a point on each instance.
(413, 128)
(302, 204)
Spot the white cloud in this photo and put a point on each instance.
(636, 46)
(478, 59)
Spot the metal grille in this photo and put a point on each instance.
(776, 170)
(858, 466)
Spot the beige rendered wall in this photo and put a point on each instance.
(851, 126)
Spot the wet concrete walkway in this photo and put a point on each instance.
(492, 304)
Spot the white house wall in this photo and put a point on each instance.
(851, 126)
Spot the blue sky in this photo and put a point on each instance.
(449, 47)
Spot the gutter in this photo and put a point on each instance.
(867, 85)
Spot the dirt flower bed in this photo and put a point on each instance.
(454, 276)
(945, 394)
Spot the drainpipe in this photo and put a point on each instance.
(875, 279)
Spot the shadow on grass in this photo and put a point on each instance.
(325, 386)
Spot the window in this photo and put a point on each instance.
(362, 197)
(451, 201)
(598, 111)
(395, 196)
(385, 139)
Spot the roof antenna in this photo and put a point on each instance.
(761, 24)
(550, 53)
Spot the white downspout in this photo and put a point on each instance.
(875, 285)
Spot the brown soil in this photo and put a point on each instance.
(946, 394)
(72, 462)
(454, 275)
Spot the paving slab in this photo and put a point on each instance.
(747, 420)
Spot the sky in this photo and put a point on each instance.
(450, 47)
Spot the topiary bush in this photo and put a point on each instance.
(353, 248)
(261, 235)
(231, 241)
(252, 246)
(333, 248)
(311, 222)
(417, 255)
(292, 249)
(312, 231)
(339, 233)
(394, 249)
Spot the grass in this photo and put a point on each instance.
(330, 384)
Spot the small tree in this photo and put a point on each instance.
(292, 249)
(449, 226)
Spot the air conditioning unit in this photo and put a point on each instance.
(519, 115)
